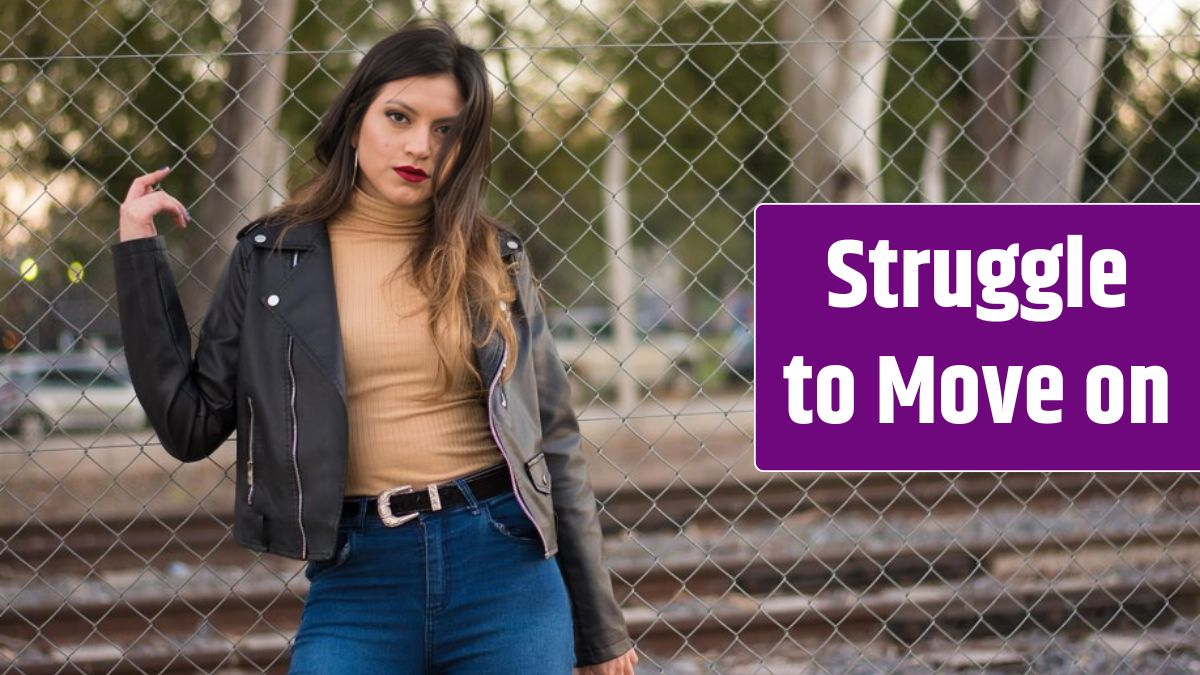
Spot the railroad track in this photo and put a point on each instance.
(193, 538)
(150, 602)
(709, 621)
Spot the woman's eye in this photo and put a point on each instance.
(395, 113)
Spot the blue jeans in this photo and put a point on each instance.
(461, 590)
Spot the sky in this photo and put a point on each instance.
(1160, 16)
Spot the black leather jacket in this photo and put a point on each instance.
(269, 364)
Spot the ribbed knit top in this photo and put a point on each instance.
(396, 438)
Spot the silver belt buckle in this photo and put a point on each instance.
(383, 504)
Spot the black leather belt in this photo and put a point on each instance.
(403, 503)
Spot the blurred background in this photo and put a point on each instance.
(632, 142)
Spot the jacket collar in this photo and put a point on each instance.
(311, 234)
(304, 236)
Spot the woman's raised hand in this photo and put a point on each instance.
(143, 201)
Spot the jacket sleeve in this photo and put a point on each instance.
(600, 631)
(189, 401)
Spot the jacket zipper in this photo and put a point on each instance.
(295, 440)
(250, 454)
(499, 444)
(295, 461)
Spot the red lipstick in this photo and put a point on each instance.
(411, 173)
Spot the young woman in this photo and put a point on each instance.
(403, 419)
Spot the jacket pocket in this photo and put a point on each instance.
(508, 518)
(539, 473)
(342, 548)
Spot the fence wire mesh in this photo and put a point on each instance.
(632, 141)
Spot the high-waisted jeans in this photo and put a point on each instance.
(461, 590)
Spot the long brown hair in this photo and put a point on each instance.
(456, 261)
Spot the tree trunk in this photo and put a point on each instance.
(996, 30)
(247, 152)
(933, 172)
(1048, 160)
(833, 78)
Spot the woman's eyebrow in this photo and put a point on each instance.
(414, 113)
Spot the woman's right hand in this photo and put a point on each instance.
(142, 202)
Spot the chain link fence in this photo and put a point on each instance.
(632, 142)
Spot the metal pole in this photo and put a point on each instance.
(621, 273)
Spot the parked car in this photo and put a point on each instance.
(68, 392)
(587, 346)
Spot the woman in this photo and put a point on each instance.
(403, 420)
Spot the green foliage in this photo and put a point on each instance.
(695, 91)
(926, 82)
(91, 96)
(324, 49)
(110, 90)
(1110, 140)
(1163, 161)
(101, 93)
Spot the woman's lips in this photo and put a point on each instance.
(409, 175)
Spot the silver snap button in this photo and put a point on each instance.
(512, 244)
(545, 479)
(260, 238)
(272, 300)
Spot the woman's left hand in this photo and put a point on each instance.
(622, 665)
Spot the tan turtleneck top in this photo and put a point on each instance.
(391, 363)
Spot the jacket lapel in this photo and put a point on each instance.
(488, 358)
(302, 281)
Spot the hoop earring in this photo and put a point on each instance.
(354, 179)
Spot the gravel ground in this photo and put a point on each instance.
(794, 536)
(699, 445)
(1101, 518)
(1170, 650)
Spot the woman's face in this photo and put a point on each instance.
(404, 127)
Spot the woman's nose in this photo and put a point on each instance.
(418, 145)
